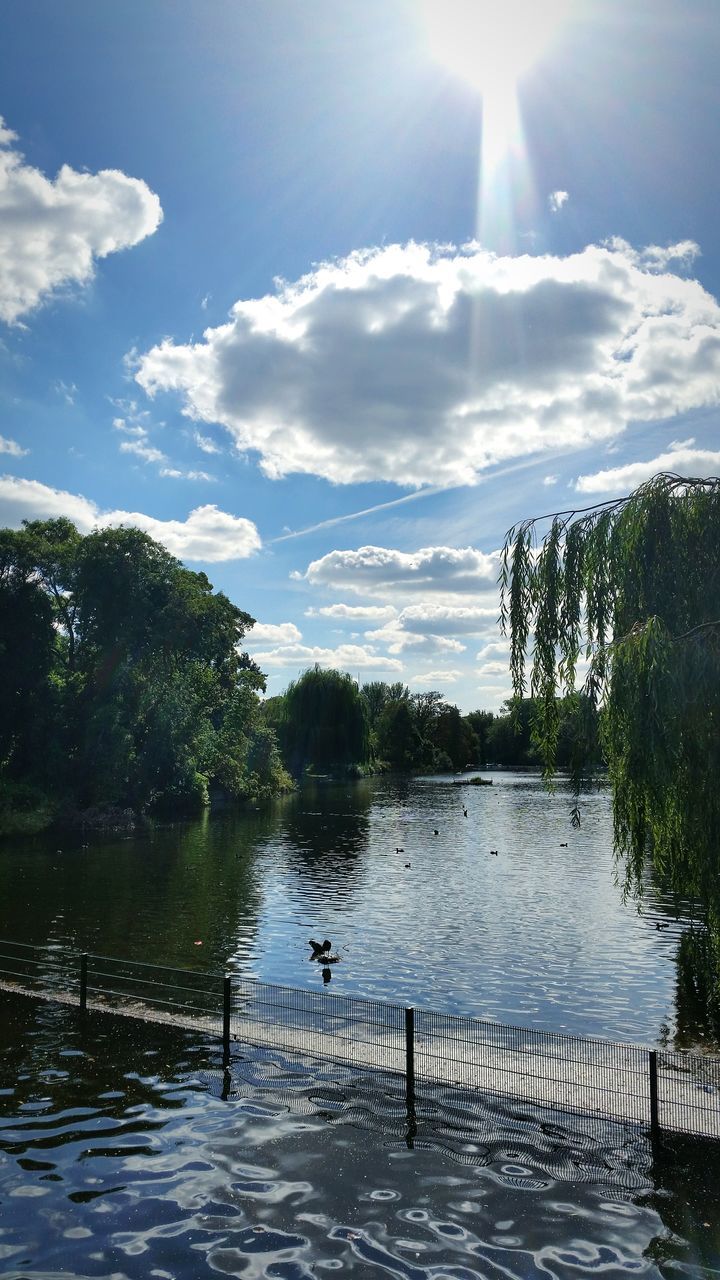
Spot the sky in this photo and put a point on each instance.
(327, 296)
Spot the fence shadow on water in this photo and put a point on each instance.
(452, 1057)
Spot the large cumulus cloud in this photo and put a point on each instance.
(52, 230)
(421, 366)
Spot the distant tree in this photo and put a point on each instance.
(325, 722)
(454, 738)
(635, 583)
(377, 694)
(480, 722)
(426, 706)
(398, 739)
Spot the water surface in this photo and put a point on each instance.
(536, 934)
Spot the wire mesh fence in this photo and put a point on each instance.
(621, 1082)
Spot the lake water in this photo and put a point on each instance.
(536, 935)
(125, 1151)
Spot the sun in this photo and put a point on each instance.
(491, 43)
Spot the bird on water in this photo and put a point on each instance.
(321, 951)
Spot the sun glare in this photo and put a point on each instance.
(491, 43)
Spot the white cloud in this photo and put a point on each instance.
(68, 391)
(175, 473)
(52, 231)
(496, 649)
(12, 447)
(207, 534)
(205, 443)
(354, 612)
(347, 657)
(359, 371)
(493, 669)
(432, 679)
(548, 481)
(398, 640)
(146, 451)
(557, 199)
(456, 620)
(376, 571)
(274, 633)
(682, 457)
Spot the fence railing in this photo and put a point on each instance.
(657, 1089)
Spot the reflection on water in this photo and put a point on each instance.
(537, 935)
(118, 1156)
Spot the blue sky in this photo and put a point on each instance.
(282, 285)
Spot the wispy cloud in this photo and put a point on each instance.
(12, 448)
(556, 200)
(682, 457)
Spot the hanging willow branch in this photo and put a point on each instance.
(632, 588)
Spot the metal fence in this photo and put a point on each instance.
(656, 1089)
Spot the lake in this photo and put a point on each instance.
(124, 1152)
(536, 934)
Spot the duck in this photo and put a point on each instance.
(494, 853)
(321, 952)
(435, 831)
(465, 813)
(563, 846)
(399, 850)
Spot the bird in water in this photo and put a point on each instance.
(658, 925)
(464, 813)
(399, 850)
(321, 951)
(436, 832)
(494, 853)
(407, 864)
(563, 846)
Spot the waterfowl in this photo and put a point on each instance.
(399, 850)
(321, 952)
(464, 813)
(436, 832)
(563, 846)
(494, 853)
(407, 864)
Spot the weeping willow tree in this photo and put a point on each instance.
(324, 722)
(632, 587)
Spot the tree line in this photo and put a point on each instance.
(326, 722)
(125, 685)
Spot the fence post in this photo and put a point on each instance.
(227, 998)
(654, 1108)
(83, 982)
(410, 1074)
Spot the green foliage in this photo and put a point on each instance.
(633, 586)
(398, 737)
(325, 723)
(123, 677)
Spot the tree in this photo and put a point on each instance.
(454, 738)
(634, 584)
(122, 675)
(398, 739)
(325, 722)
